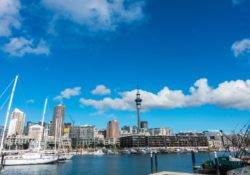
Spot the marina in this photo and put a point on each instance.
(124, 87)
(111, 164)
(137, 146)
(168, 164)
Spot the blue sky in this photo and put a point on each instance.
(57, 45)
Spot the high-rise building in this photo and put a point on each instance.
(16, 125)
(26, 128)
(160, 131)
(66, 129)
(144, 125)
(127, 129)
(35, 131)
(113, 129)
(103, 132)
(12, 127)
(58, 121)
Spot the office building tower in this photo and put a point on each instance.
(58, 121)
(16, 125)
(113, 129)
(160, 131)
(35, 132)
(144, 125)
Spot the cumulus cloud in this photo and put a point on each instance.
(68, 93)
(241, 47)
(101, 90)
(98, 14)
(21, 46)
(9, 16)
(10, 19)
(229, 94)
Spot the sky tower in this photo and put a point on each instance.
(138, 101)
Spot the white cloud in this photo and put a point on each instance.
(101, 90)
(68, 93)
(30, 101)
(241, 47)
(237, 2)
(98, 14)
(9, 16)
(21, 46)
(229, 94)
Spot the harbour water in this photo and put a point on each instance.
(110, 165)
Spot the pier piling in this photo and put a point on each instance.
(217, 163)
(152, 162)
(156, 163)
(193, 160)
(2, 161)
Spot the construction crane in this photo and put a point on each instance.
(73, 122)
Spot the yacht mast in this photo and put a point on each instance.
(44, 111)
(8, 112)
(56, 135)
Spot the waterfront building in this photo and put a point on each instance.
(160, 131)
(35, 132)
(98, 135)
(111, 141)
(16, 124)
(82, 136)
(214, 139)
(103, 132)
(58, 121)
(189, 134)
(113, 129)
(14, 142)
(163, 141)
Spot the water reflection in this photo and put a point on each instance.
(48, 169)
(31, 170)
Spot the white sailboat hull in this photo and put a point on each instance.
(64, 157)
(29, 159)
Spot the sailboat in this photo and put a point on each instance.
(31, 157)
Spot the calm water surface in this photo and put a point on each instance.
(110, 165)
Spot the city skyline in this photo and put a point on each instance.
(192, 70)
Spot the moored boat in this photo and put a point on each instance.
(29, 158)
